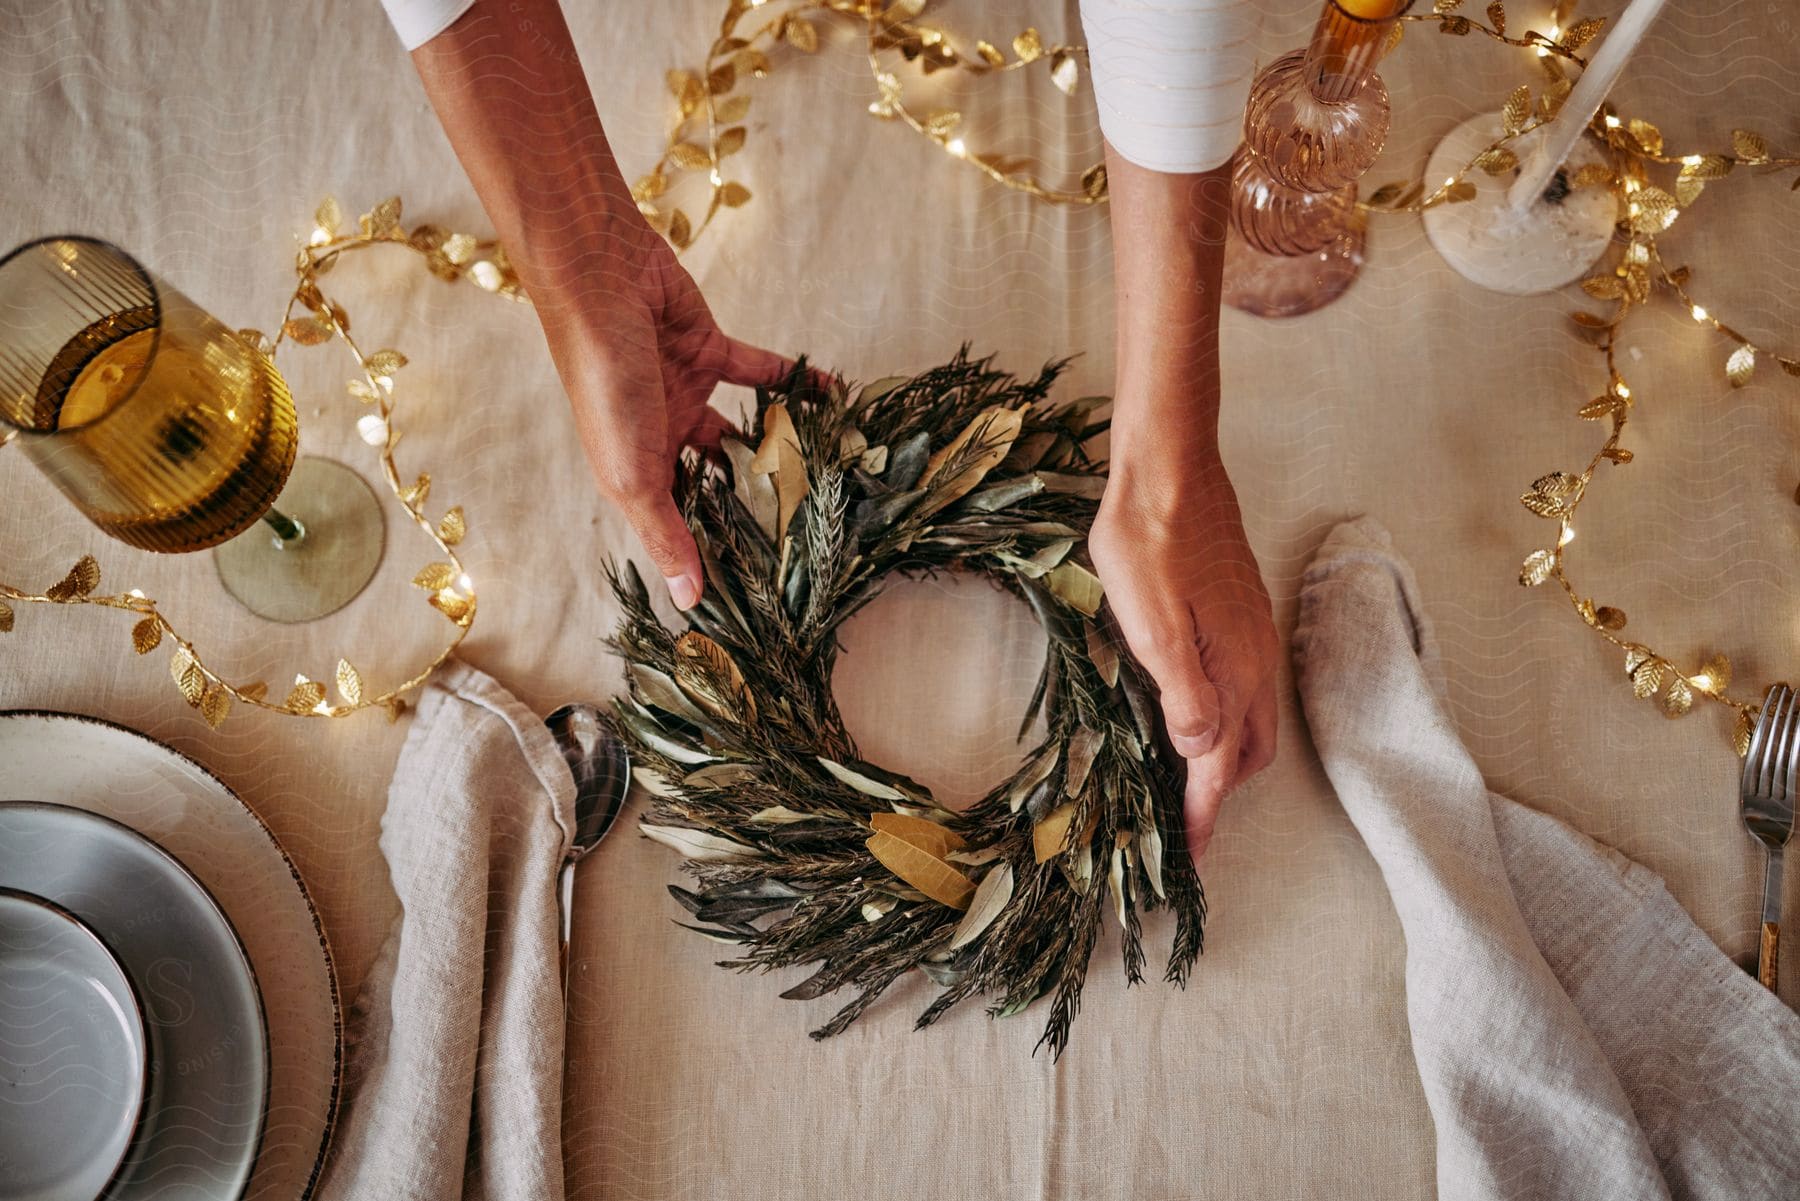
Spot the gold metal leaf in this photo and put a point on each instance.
(1648, 136)
(679, 81)
(1497, 16)
(689, 157)
(731, 109)
(1718, 673)
(1741, 730)
(1065, 71)
(329, 216)
(1678, 697)
(82, 579)
(1749, 146)
(453, 527)
(308, 331)
(990, 54)
(1708, 166)
(146, 635)
(1497, 160)
(800, 34)
(1609, 618)
(384, 362)
(1446, 6)
(1646, 678)
(215, 704)
(1688, 189)
(942, 123)
(188, 677)
(304, 697)
(384, 218)
(1599, 407)
(731, 141)
(415, 493)
(1741, 366)
(349, 682)
(435, 576)
(1537, 567)
(459, 609)
(255, 691)
(1028, 46)
(1517, 109)
(1592, 175)
(1093, 181)
(1581, 33)
(6, 618)
(257, 340)
(460, 248)
(681, 232)
(734, 194)
(649, 187)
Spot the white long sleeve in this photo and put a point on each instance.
(418, 21)
(1171, 77)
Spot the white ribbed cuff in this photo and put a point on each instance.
(1170, 77)
(418, 21)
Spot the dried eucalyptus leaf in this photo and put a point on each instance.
(1076, 587)
(721, 775)
(866, 785)
(754, 490)
(656, 688)
(990, 901)
(1035, 773)
(1152, 851)
(1090, 486)
(1084, 744)
(698, 844)
(999, 496)
(907, 462)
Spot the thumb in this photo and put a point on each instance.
(669, 543)
(1190, 703)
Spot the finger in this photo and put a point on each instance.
(1209, 779)
(1192, 707)
(709, 425)
(752, 366)
(1257, 750)
(669, 543)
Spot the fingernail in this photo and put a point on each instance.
(1192, 746)
(682, 590)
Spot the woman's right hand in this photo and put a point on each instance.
(639, 354)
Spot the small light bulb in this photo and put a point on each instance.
(717, 179)
(137, 592)
(1623, 392)
(1699, 313)
(1612, 122)
(1692, 160)
(1568, 535)
(322, 708)
(1703, 682)
(1635, 210)
(955, 146)
(320, 236)
(465, 583)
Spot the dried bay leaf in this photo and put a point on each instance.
(990, 901)
(708, 674)
(754, 489)
(922, 832)
(1076, 587)
(990, 433)
(1053, 835)
(721, 775)
(1084, 744)
(926, 872)
(779, 456)
(655, 688)
(1034, 774)
(1102, 655)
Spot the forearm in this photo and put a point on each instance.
(1168, 258)
(508, 87)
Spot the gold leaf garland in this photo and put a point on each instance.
(450, 257)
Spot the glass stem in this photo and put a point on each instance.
(1344, 51)
(288, 531)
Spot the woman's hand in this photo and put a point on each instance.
(1184, 586)
(639, 355)
(636, 347)
(1169, 540)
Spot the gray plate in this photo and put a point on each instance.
(73, 1060)
(209, 1059)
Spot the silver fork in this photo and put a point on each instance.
(1771, 777)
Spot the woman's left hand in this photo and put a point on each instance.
(1179, 574)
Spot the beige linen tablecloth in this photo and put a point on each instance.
(201, 136)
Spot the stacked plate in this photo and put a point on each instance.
(168, 1011)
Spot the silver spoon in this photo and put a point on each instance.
(602, 771)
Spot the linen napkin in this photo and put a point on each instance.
(1576, 1034)
(454, 1081)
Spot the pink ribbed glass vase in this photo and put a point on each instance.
(1315, 121)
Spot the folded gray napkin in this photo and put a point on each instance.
(1576, 1034)
(454, 1081)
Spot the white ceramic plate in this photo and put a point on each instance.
(95, 765)
(74, 1064)
(209, 1055)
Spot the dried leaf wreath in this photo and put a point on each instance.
(755, 779)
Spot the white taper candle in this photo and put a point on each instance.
(1555, 142)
